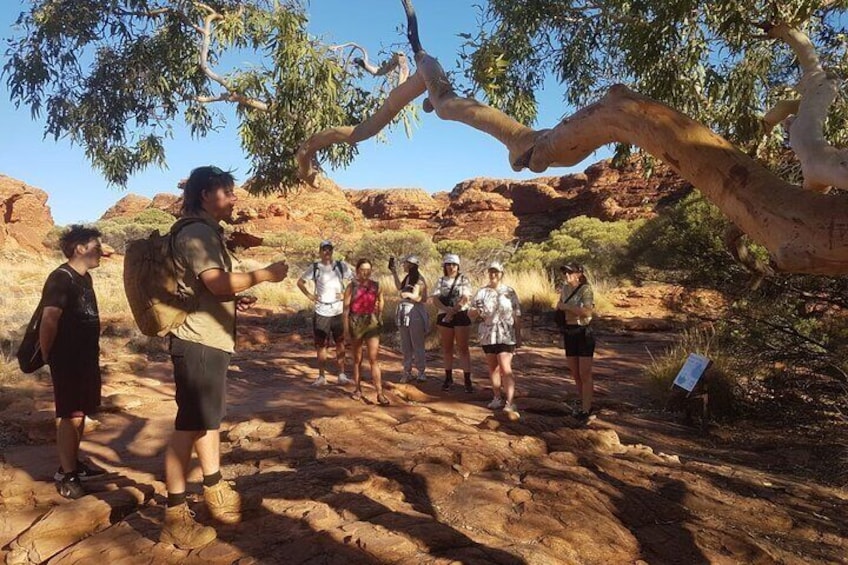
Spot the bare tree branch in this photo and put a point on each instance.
(231, 95)
(398, 60)
(824, 166)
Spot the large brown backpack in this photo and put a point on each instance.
(151, 282)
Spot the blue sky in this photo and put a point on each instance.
(439, 155)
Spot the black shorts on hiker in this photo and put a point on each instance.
(200, 374)
(496, 348)
(326, 327)
(578, 341)
(76, 386)
(459, 320)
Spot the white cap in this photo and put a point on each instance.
(411, 259)
(325, 243)
(450, 258)
(496, 265)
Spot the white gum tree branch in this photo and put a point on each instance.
(805, 232)
(823, 165)
(230, 95)
(398, 60)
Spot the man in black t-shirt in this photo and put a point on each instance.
(69, 336)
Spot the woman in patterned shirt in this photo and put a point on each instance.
(577, 301)
(499, 311)
(452, 296)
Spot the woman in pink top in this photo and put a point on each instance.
(363, 323)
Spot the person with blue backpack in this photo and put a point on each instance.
(328, 278)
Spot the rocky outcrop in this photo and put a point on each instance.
(526, 210)
(127, 207)
(25, 218)
(397, 209)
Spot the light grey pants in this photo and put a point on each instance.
(412, 340)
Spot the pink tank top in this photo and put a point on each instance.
(364, 299)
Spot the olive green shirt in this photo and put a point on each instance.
(199, 247)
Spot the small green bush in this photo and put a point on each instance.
(597, 244)
(380, 246)
(118, 232)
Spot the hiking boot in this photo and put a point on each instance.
(182, 530)
(320, 381)
(223, 502)
(469, 388)
(448, 383)
(404, 379)
(70, 486)
(344, 380)
(421, 378)
(496, 403)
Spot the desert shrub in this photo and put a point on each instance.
(597, 244)
(685, 245)
(380, 246)
(477, 254)
(118, 232)
(723, 375)
(795, 323)
(295, 247)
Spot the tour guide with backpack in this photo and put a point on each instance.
(328, 277)
(182, 285)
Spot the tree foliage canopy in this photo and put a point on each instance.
(114, 75)
(707, 59)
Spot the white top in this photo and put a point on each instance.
(498, 309)
(329, 286)
(460, 289)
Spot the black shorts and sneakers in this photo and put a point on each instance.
(578, 341)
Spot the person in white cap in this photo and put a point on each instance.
(499, 310)
(412, 318)
(329, 279)
(452, 297)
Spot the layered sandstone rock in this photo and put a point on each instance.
(397, 209)
(127, 207)
(25, 218)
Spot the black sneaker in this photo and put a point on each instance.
(85, 471)
(447, 384)
(70, 486)
(469, 388)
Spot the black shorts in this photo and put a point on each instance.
(325, 327)
(578, 341)
(200, 373)
(460, 319)
(76, 385)
(496, 348)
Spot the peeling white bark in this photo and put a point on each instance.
(823, 165)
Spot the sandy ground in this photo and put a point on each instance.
(433, 478)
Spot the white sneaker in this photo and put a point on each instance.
(511, 408)
(404, 379)
(320, 381)
(344, 380)
(422, 378)
(495, 403)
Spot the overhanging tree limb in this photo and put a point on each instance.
(804, 232)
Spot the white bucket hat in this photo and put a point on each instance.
(450, 258)
(496, 265)
(411, 259)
